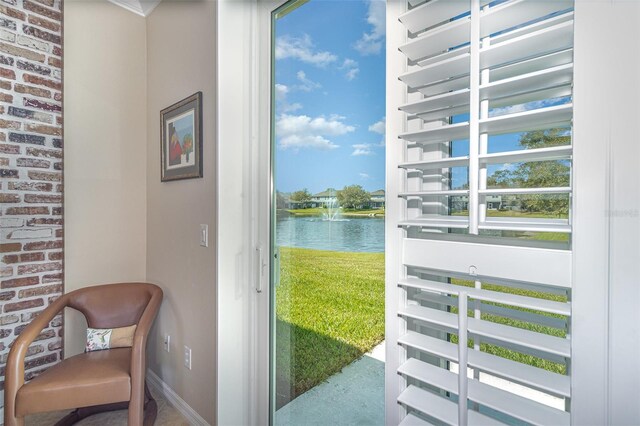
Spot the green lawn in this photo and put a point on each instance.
(509, 354)
(330, 311)
(317, 211)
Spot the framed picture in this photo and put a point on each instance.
(181, 139)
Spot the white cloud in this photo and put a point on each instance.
(281, 92)
(352, 73)
(307, 84)
(291, 107)
(364, 176)
(512, 109)
(361, 149)
(349, 63)
(351, 68)
(378, 126)
(302, 49)
(371, 43)
(301, 131)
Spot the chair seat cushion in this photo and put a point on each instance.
(84, 380)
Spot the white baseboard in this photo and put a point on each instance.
(156, 384)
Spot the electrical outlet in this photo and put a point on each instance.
(187, 357)
(167, 343)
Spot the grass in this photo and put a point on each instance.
(542, 236)
(317, 211)
(507, 353)
(330, 311)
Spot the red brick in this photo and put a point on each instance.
(40, 10)
(52, 278)
(31, 186)
(27, 210)
(40, 291)
(9, 198)
(7, 73)
(33, 162)
(43, 360)
(44, 23)
(39, 268)
(55, 62)
(19, 282)
(5, 97)
(23, 257)
(51, 176)
(46, 153)
(34, 91)
(10, 247)
(7, 295)
(56, 255)
(42, 128)
(9, 11)
(43, 245)
(25, 304)
(9, 149)
(34, 79)
(8, 124)
(45, 221)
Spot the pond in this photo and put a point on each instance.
(352, 234)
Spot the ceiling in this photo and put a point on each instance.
(139, 7)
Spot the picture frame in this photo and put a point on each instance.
(181, 139)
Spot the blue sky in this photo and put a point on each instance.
(330, 96)
(330, 99)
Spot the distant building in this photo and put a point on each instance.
(377, 199)
(328, 196)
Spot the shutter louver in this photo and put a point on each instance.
(481, 77)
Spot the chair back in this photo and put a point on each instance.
(113, 305)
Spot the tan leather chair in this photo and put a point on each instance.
(94, 381)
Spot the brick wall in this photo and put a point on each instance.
(31, 224)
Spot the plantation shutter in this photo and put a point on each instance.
(479, 149)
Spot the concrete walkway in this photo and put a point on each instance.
(355, 396)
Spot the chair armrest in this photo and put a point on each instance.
(14, 375)
(142, 332)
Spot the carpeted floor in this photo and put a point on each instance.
(167, 416)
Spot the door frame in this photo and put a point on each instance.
(262, 107)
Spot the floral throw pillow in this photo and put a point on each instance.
(108, 338)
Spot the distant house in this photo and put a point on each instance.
(494, 202)
(328, 196)
(377, 199)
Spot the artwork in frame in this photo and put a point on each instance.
(181, 139)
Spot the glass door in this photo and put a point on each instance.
(328, 207)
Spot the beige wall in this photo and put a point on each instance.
(105, 150)
(181, 60)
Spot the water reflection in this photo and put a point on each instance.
(353, 234)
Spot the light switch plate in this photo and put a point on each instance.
(204, 235)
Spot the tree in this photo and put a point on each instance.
(303, 196)
(353, 197)
(538, 174)
(280, 200)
